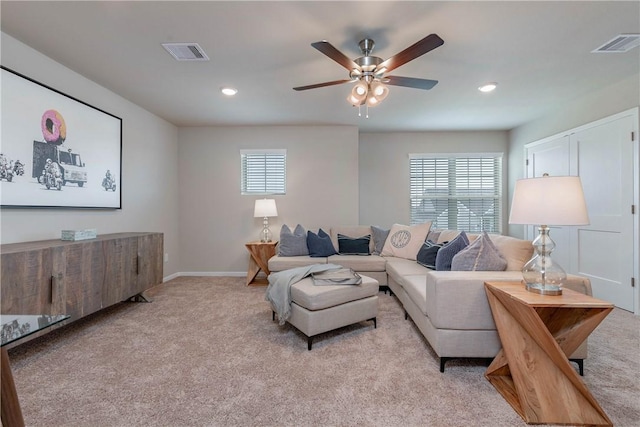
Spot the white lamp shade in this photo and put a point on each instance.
(265, 208)
(549, 200)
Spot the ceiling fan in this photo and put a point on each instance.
(369, 72)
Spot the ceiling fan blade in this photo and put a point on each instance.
(335, 82)
(410, 82)
(333, 53)
(417, 49)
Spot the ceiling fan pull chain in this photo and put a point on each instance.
(359, 112)
(367, 116)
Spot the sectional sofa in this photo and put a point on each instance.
(450, 308)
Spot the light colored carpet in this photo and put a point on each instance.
(206, 353)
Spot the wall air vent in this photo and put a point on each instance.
(619, 44)
(186, 51)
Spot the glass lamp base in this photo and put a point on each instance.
(539, 288)
(541, 274)
(265, 234)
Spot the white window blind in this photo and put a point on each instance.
(263, 171)
(460, 192)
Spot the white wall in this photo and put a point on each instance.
(149, 164)
(216, 220)
(617, 97)
(384, 167)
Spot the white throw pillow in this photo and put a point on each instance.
(404, 241)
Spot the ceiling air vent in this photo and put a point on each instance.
(619, 44)
(186, 51)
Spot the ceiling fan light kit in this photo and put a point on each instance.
(368, 72)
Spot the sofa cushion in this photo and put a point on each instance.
(399, 268)
(353, 245)
(351, 231)
(405, 241)
(445, 236)
(279, 263)
(359, 263)
(457, 299)
(516, 251)
(320, 244)
(312, 297)
(292, 243)
(379, 237)
(427, 254)
(449, 250)
(416, 288)
(480, 255)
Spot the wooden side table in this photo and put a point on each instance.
(260, 254)
(538, 333)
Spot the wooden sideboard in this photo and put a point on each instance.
(81, 277)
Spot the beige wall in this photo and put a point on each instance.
(149, 166)
(384, 167)
(190, 190)
(596, 105)
(216, 220)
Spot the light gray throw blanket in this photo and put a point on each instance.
(279, 289)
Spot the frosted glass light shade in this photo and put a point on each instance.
(358, 93)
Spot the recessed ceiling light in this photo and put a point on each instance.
(488, 87)
(229, 91)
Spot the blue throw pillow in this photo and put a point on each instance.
(427, 254)
(293, 243)
(353, 245)
(320, 244)
(448, 251)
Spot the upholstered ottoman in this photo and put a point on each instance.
(317, 309)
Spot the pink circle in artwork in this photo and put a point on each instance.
(53, 126)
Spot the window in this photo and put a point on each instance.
(460, 192)
(263, 171)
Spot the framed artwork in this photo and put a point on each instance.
(57, 151)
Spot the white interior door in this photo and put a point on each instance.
(602, 155)
(605, 247)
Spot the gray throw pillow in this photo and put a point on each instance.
(320, 244)
(448, 251)
(293, 244)
(379, 237)
(481, 255)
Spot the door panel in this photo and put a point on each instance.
(552, 157)
(605, 166)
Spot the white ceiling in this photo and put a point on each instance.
(538, 52)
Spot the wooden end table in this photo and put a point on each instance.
(538, 333)
(260, 254)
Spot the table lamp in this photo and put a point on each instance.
(545, 201)
(265, 208)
